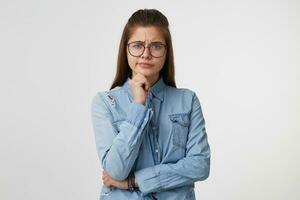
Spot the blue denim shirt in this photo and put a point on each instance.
(163, 143)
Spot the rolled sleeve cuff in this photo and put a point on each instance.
(148, 180)
(136, 114)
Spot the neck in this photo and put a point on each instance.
(153, 80)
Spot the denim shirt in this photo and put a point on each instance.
(163, 143)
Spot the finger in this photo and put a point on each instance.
(136, 83)
(140, 78)
(106, 183)
(148, 88)
(105, 173)
(137, 76)
(105, 178)
(144, 83)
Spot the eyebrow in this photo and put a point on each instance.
(151, 41)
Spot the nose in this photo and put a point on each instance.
(146, 53)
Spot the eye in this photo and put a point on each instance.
(137, 46)
(156, 46)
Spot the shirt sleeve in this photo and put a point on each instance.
(193, 167)
(117, 151)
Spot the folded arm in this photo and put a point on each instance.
(193, 167)
(118, 151)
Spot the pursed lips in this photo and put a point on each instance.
(145, 64)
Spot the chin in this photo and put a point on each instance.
(146, 72)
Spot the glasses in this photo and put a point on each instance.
(157, 49)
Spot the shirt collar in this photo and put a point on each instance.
(156, 90)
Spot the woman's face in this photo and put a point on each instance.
(146, 36)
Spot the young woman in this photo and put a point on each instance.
(150, 136)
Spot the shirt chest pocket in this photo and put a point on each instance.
(180, 128)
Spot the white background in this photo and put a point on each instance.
(241, 58)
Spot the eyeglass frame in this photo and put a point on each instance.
(165, 46)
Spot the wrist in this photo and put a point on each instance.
(130, 183)
(134, 181)
(120, 184)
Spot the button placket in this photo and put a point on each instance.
(154, 128)
(157, 149)
(155, 142)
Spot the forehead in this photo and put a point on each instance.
(146, 33)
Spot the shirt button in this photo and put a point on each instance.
(145, 119)
(156, 150)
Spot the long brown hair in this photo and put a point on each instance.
(145, 18)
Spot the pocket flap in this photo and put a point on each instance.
(180, 118)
